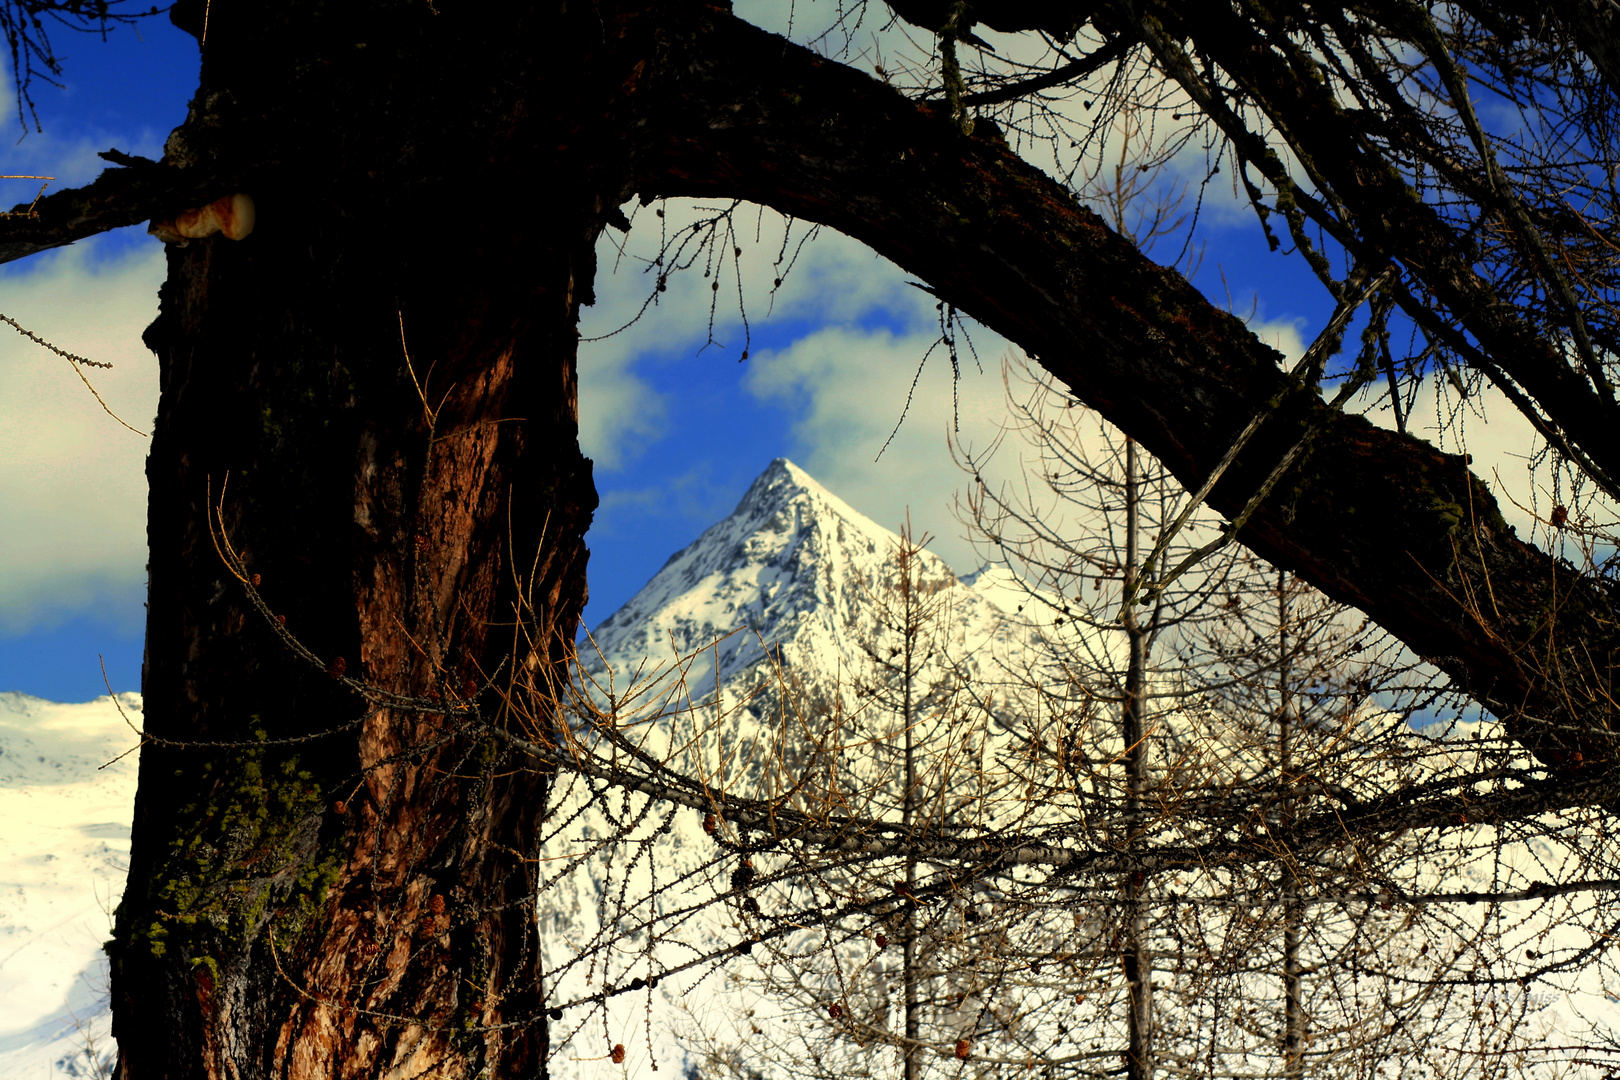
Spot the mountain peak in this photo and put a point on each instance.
(792, 570)
(781, 483)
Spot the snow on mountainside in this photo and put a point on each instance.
(64, 847)
(794, 566)
(794, 577)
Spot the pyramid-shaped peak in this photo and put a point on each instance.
(784, 485)
(780, 481)
(792, 473)
(792, 559)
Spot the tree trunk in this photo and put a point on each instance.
(1293, 911)
(1135, 954)
(905, 558)
(321, 884)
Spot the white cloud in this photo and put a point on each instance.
(1282, 334)
(619, 412)
(834, 280)
(72, 483)
(694, 495)
(850, 388)
(70, 159)
(840, 280)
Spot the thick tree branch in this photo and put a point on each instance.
(1375, 519)
(116, 198)
(1391, 221)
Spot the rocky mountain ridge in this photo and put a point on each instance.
(794, 576)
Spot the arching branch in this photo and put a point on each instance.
(1382, 521)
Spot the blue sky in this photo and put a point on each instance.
(677, 427)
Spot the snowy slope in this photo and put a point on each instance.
(794, 569)
(786, 588)
(64, 845)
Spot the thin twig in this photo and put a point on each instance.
(76, 361)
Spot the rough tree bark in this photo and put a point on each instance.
(330, 899)
(337, 898)
(283, 904)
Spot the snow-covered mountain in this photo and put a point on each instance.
(795, 572)
(786, 597)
